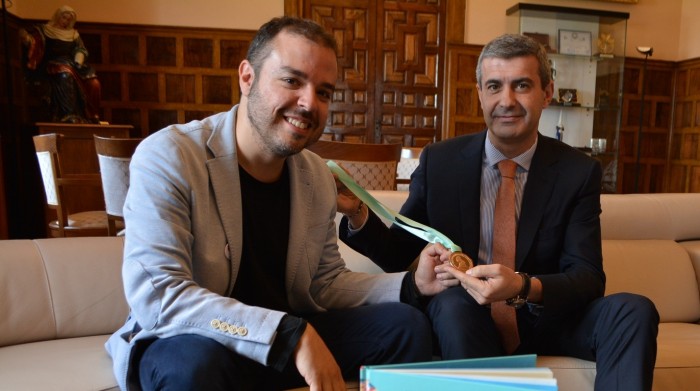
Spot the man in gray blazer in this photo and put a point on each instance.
(231, 264)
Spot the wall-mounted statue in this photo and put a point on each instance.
(55, 54)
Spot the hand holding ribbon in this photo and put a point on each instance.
(458, 259)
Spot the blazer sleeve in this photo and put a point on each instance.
(560, 230)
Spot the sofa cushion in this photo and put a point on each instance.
(693, 249)
(52, 288)
(24, 295)
(61, 364)
(677, 359)
(86, 285)
(656, 216)
(658, 269)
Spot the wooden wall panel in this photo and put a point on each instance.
(684, 156)
(462, 114)
(152, 77)
(652, 144)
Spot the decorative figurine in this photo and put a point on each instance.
(560, 127)
(55, 54)
(606, 44)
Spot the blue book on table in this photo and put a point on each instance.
(483, 374)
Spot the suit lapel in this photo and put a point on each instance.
(536, 196)
(469, 197)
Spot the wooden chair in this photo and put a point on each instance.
(70, 220)
(114, 156)
(373, 166)
(407, 164)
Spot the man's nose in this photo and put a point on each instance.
(507, 97)
(308, 98)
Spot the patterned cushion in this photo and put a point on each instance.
(371, 175)
(406, 168)
(115, 182)
(47, 176)
(90, 219)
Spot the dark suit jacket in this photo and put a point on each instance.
(558, 240)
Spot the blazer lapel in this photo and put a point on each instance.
(536, 196)
(301, 188)
(225, 180)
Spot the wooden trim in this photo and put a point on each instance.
(456, 24)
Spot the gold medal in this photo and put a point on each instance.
(461, 261)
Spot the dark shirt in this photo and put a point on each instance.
(260, 280)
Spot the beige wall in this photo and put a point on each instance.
(238, 14)
(689, 46)
(666, 25)
(655, 23)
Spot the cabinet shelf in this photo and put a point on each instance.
(594, 57)
(558, 106)
(595, 80)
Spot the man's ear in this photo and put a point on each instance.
(548, 94)
(478, 92)
(246, 74)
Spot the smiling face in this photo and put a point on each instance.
(512, 98)
(288, 98)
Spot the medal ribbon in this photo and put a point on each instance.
(422, 231)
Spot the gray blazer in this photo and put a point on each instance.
(183, 245)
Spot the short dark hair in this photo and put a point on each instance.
(259, 47)
(513, 45)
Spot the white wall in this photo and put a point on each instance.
(669, 26)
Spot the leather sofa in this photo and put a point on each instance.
(61, 298)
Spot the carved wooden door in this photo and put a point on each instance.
(389, 87)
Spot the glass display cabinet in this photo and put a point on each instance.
(587, 51)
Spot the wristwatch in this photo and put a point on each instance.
(521, 298)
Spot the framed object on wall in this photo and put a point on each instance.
(575, 42)
(543, 39)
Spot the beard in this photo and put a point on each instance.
(269, 137)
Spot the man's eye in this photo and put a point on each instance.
(291, 81)
(325, 95)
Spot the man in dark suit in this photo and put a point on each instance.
(559, 285)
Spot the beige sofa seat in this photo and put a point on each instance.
(60, 299)
(657, 254)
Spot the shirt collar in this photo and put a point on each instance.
(493, 155)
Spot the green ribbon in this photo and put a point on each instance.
(424, 232)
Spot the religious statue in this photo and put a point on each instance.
(55, 54)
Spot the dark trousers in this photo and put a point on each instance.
(374, 334)
(618, 332)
